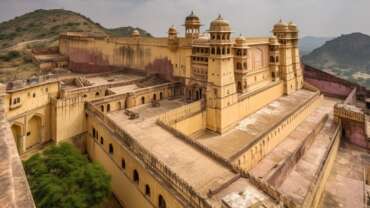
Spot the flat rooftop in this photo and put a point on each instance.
(345, 185)
(115, 77)
(193, 166)
(253, 126)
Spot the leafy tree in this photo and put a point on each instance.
(62, 177)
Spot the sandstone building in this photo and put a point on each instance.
(200, 120)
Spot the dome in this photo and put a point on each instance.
(280, 26)
(192, 20)
(240, 39)
(220, 25)
(135, 33)
(172, 30)
(273, 40)
(292, 26)
(192, 16)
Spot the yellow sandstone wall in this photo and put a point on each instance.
(127, 191)
(151, 54)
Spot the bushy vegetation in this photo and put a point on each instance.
(10, 56)
(62, 177)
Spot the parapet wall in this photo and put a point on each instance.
(331, 85)
(14, 188)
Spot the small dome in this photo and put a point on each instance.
(172, 30)
(273, 40)
(220, 25)
(240, 39)
(292, 26)
(192, 16)
(135, 33)
(192, 20)
(280, 26)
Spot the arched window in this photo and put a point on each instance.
(160, 95)
(161, 202)
(97, 94)
(228, 50)
(239, 85)
(154, 96)
(277, 59)
(123, 163)
(147, 190)
(245, 65)
(272, 59)
(108, 107)
(238, 65)
(136, 177)
(223, 51)
(93, 132)
(142, 100)
(101, 140)
(102, 108)
(218, 51)
(110, 148)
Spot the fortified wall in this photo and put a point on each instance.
(91, 54)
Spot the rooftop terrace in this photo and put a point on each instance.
(253, 126)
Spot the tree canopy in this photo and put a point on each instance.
(62, 177)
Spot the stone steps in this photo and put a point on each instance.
(299, 183)
(278, 163)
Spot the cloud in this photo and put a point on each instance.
(314, 17)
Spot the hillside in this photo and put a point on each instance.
(347, 56)
(41, 28)
(48, 24)
(308, 43)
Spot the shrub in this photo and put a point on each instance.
(10, 56)
(62, 177)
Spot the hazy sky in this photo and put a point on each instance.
(314, 17)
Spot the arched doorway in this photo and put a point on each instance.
(161, 202)
(17, 133)
(154, 96)
(34, 131)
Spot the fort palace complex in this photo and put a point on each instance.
(202, 120)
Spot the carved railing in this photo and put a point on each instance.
(182, 187)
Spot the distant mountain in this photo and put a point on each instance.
(347, 56)
(308, 43)
(48, 24)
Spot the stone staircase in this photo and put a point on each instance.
(299, 166)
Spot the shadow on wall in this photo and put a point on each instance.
(163, 68)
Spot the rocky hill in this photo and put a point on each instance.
(347, 51)
(41, 28)
(48, 24)
(308, 43)
(347, 56)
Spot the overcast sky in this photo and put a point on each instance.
(249, 17)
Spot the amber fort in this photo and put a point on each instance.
(205, 119)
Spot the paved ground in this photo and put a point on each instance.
(345, 186)
(254, 125)
(196, 168)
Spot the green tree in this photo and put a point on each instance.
(62, 177)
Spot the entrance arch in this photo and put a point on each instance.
(18, 134)
(34, 131)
